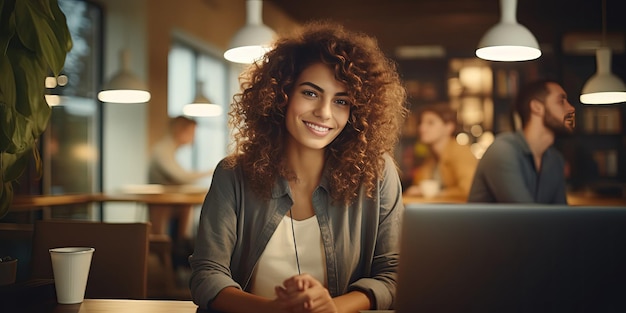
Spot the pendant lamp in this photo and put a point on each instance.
(124, 87)
(603, 87)
(201, 106)
(254, 39)
(508, 40)
(52, 97)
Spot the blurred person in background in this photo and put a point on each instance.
(165, 170)
(524, 166)
(449, 164)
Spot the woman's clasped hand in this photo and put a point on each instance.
(303, 293)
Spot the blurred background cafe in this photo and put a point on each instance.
(95, 153)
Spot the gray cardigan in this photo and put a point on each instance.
(361, 241)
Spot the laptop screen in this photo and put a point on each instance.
(512, 258)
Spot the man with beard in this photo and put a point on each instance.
(524, 166)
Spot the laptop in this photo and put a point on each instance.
(512, 258)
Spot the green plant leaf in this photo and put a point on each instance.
(7, 104)
(7, 24)
(64, 37)
(7, 81)
(24, 23)
(14, 165)
(7, 127)
(6, 197)
(45, 6)
(38, 163)
(50, 37)
(34, 39)
(23, 136)
(29, 81)
(40, 120)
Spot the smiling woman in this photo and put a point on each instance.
(318, 110)
(311, 178)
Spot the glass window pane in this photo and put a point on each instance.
(71, 143)
(180, 83)
(188, 66)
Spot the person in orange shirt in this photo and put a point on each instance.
(450, 164)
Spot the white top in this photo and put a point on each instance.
(278, 260)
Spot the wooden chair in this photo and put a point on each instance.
(119, 267)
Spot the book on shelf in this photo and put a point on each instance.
(602, 120)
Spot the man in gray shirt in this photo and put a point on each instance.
(524, 166)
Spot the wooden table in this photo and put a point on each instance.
(38, 202)
(574, 199)
(420, 199)
(590, 199)
(171, 197)
(128, 306)
(168, 198)
(38, 296)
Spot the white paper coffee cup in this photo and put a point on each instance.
(70, 266)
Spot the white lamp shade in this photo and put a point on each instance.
(124, 87)
(252, 41)
(603, 87)
(202, 110)
(53, 100)
(201, 105)
(508, 40)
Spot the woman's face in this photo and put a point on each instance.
(318, 108)
(432, 128)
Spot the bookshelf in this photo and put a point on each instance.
(596, 152)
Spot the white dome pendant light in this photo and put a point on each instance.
(254, 39)
(201, 105)
(603, 87)
(124, 86)
(508, 40)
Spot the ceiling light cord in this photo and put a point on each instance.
(604, 23)
(603, 87)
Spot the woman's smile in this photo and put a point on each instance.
(317, 129)
(318, 108)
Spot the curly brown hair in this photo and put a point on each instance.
(355, 157)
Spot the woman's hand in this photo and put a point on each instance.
(304, 294)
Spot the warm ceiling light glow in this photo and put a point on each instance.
(53, 100)
(252, 41)
(51, 82)
(202, 110)
(63, 80)
(603, 87)
(462, 139)
(124, 87)
(201, 105)
(508, 40)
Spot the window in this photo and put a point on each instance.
(189, 65)
(71, 143)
